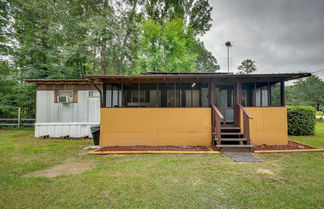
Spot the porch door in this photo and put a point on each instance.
(225, 102)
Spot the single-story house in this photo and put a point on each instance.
(193, 109)
(66, 107)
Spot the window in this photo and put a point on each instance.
(94, 94)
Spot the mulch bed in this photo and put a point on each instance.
(290, 146)
(152, 148)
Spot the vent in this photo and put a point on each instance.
(63, 99)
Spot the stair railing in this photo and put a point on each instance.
(245, 123)
(217, 117)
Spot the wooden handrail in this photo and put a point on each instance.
(246, 123)
(244, 111)
(217, 112)
(217, 117)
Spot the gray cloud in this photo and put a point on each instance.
(281, 36)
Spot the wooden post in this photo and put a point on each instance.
(282, 93)
(237, 102)
(19, 112)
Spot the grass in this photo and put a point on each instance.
(316, 140)
(319, 112)
(293, 180)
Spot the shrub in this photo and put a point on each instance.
(301, 120)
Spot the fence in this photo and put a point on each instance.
(16, 122)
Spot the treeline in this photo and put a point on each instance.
(66, 39)
(308, 92)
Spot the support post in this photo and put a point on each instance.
(282, 93)
(18, 122)
(237, 102)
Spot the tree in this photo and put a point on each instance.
(205, 62)
(195, 13)
(247, 66)
(165, 48)
(307, 91)
(66, 39)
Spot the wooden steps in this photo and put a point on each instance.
(233, 140)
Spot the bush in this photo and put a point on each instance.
(301, 120)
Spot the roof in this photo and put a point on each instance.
(58, 81)
(184, 73)
(196, 76)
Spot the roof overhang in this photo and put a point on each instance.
(160, 77)
(59, 81)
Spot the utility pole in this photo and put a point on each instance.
(228, 44)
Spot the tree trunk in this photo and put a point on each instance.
(103, 60)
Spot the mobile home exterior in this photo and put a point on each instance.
(66, 108)
(200, 109)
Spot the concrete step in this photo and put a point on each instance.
(235, 148)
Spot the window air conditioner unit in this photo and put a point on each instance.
(63, 99)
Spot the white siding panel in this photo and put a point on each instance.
(45, 106)
(73, 119)
(94, 110)
(75, 130)
(83, 106)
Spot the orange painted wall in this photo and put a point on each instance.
(155, 126)
(268, 126)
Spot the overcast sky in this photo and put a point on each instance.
(280, 35)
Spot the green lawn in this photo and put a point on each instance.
(315, 140)
(286, 180)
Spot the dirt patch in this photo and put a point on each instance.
(105, 193)
(152, 148)
(265, 171)
(290, 146)
(128, 175)
(67, 168)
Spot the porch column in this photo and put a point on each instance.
(237, 100)
(282, 93)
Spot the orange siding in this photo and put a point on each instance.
(268, 126)
(155, 126)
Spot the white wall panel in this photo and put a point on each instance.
(45, 106)
(73, 119)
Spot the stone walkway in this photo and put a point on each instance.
(243, 156)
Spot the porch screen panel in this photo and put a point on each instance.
(204, 95)
(170, 96)
(131, 95)
(262, 95)
(150, 95)
(185, 94)
(247, 94)
(113, 95)
(275, 95)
